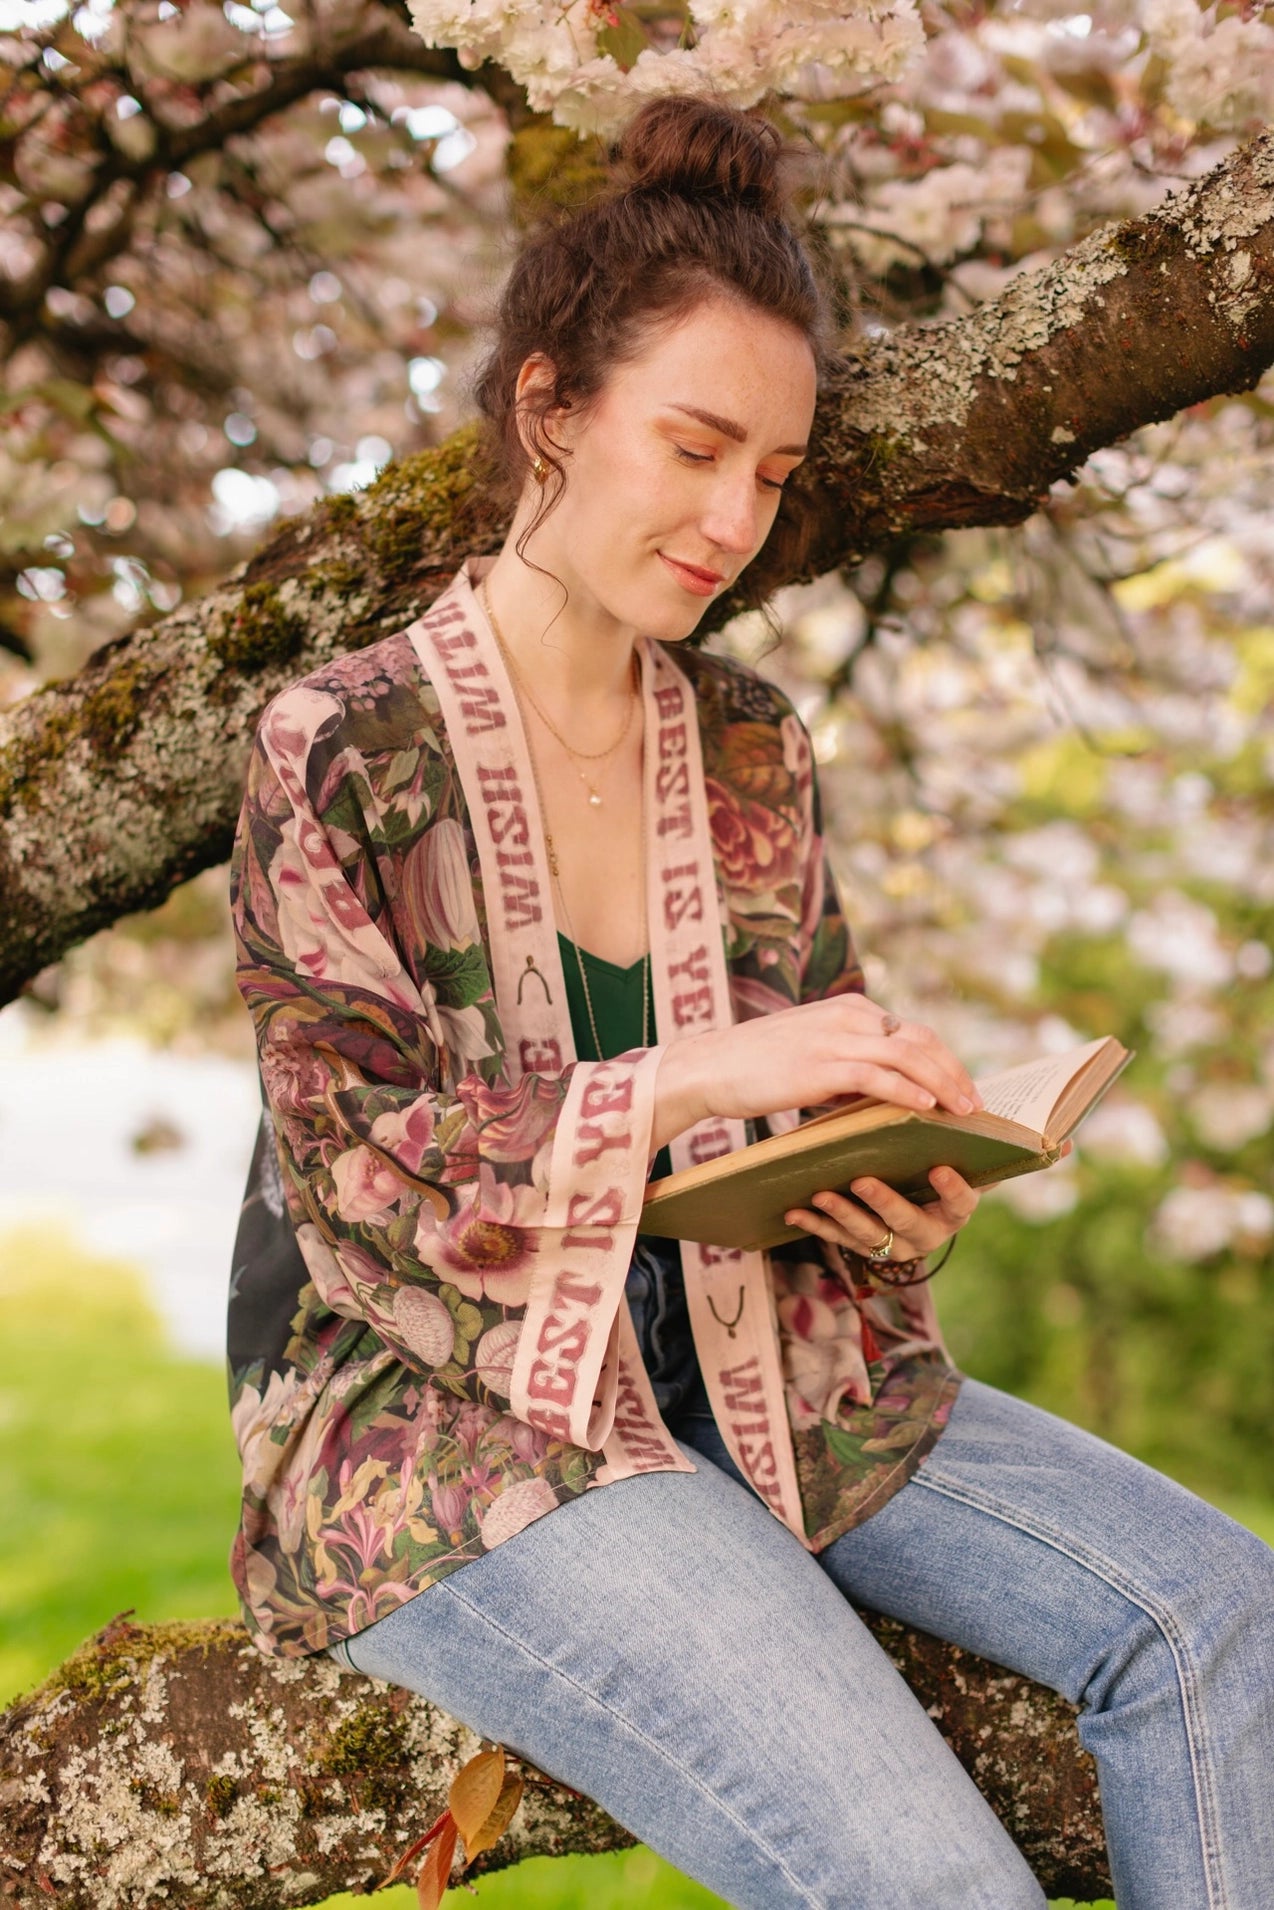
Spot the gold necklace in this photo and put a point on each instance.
(577, 756)
(555, 872)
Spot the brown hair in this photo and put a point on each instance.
(698, 207)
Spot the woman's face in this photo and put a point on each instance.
(676, 467)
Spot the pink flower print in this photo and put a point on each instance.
(364, 1534)
(326, 1272)
(363, 1271)
(437, 888)
(448, 1505)
(514, 1509)
(494, 1355)
(469, 1426)
(526, 1443)
(755, 845)
(529, 1443)
(366, 1187)
(407, 1134)
(254, 1419)
(479, 1479)
(292, 1071)
(512, 1121)
(484, 1248)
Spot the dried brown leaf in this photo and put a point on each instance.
(413, 1851)
(502, 1814)
(475, 1791)
(435, 1872)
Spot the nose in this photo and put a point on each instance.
(731, 516)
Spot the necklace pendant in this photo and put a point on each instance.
(595, 801)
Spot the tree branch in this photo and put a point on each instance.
(176, 1764)
(74, 250)
(125, 780)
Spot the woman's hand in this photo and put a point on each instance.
(916, 1230)
(804, 1057)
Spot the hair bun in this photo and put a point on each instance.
(687, 145)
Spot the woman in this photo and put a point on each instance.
(531, 902)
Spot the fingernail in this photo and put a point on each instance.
(964, 1104)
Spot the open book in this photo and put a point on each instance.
(739, 1199)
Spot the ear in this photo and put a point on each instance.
(535, 380)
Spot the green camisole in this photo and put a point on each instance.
(616, 997)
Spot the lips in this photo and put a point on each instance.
(701, 583)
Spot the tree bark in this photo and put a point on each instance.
(123, 781)
(175, 1764)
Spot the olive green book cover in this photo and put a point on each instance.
(739, 1199)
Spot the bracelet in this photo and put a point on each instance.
(893, 1273)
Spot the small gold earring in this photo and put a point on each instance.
(539, 470)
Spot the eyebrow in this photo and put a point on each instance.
(729, 429)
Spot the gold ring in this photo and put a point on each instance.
(890, 1024)
(881, 1252)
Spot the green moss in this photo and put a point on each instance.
(113, 708)
(221, 1793)
(163, 1803)
(339, 575)
(108, 716)
(16, 766)
(262, 632)
(549, 166)
(340, 512)
(369, 1740)
(882, 449)
(422, 499)
(118, 1657)
(370, 1750)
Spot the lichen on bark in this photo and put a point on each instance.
(177, 1764)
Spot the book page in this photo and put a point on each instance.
(1029, 1093)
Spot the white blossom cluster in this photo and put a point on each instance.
(739, 49)
(1219, 71)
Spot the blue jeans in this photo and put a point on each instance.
(664, 1645)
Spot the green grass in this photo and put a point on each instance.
(119, 1490)
(118, 1482)
(630, 1880)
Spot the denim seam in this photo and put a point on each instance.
(1188, 1678)
(683, 1770)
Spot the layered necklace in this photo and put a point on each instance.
(577, 756)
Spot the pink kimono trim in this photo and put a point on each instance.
(577, 1371)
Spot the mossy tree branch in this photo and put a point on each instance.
(120, 783)
(175, 1764)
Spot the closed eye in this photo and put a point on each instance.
(705, 457)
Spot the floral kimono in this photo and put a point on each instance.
(429, 1341)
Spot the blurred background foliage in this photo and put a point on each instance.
(244, 261)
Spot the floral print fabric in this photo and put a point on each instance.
(391, 1225)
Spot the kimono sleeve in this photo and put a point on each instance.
(406, 1172)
